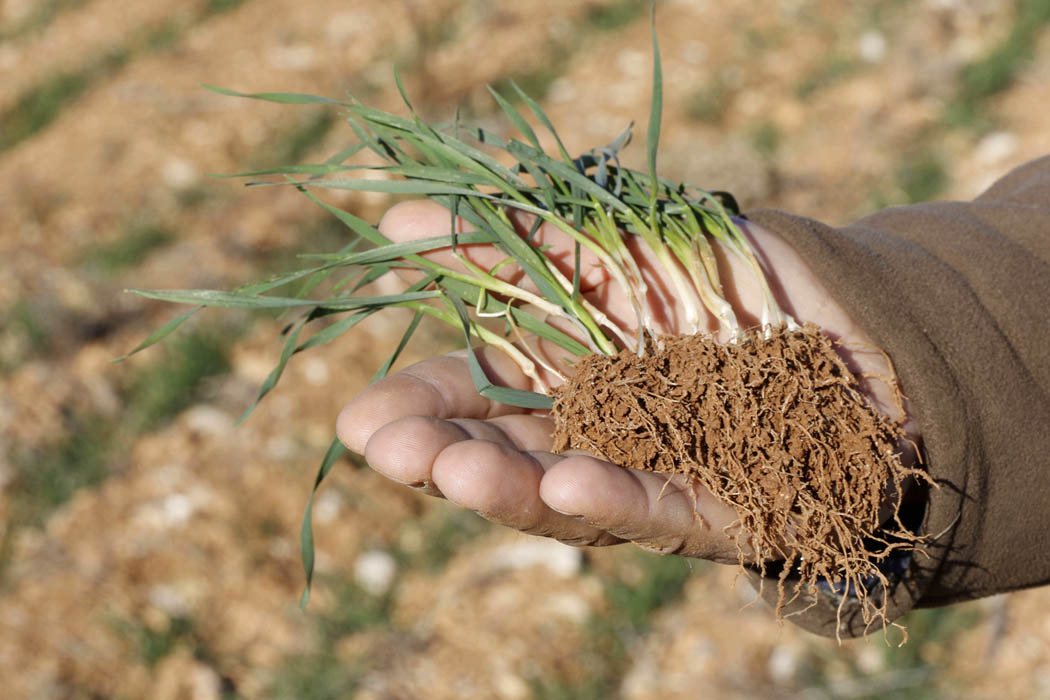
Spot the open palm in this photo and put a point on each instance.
(427, 427)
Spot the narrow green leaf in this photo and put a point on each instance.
(453, 213)
(421, 187)
(327, 335)
(462, 154)
(482, 136)
(358, 225)
(290, 343)
(318, 169)
(371, 276)
(444, 175)
(535, 108)
(518, 398)
(276, 281)
(212, 297)
(401, 89)
(306, 534)
(395, 251)
(568, 173)
(348, 152)
(515, 117)
(159, 334)
(533, 229)
(652, 140)
(544, 183)
(367, 138)
(532, 324)
(522, 318)
(341, 326)
(385, 368)
(531, 260)
(576, 270)
(504, 395)
(477, 374)
(280, 97)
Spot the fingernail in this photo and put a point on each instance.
(574, 516)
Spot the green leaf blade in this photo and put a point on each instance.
(306, 531)
(290, 98)
(159, 334)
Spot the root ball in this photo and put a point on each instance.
(773, 425)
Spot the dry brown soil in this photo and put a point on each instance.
(173, 571)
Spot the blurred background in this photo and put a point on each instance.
(149, 548)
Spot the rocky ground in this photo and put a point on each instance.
(150, 547)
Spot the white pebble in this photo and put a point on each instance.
(561, 91)
(169, 599)
(561, 559)
(177, 509)
(327, 507)
(783, 663)
(208, 420)
(872, 46)
(178, 173)
(694, 52)
(315, 371)
(632, 62)
(374, 571)
(298, 57)
(996, 147)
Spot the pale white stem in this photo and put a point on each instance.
(535, 353)
(528, 367)
(595, 312)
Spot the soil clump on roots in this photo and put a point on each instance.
(773, 425)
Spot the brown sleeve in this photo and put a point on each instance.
(959, 294)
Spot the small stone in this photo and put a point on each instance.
(281, 548)
(783, 663)
(177, 509)
(208, 421)
(996, 147)
(315, 371)
(510, 686)
(178, 173)
(298, 57)
(374, 571)
(694, 52)
(205, 683)
(281, 447)
(632, 62)
(327, 507)
(569, 606)
(561, 559)
(9, 57)
(870, 659)
(168, 598)
(346, 26)
(872, 46)
(561, 91)
(641, 679)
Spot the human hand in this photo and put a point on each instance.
(427, 427)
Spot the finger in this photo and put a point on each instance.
(441, 387)
(527, 432)
(502, 484)
(652, 510)
(405, 449)
(479, 465)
